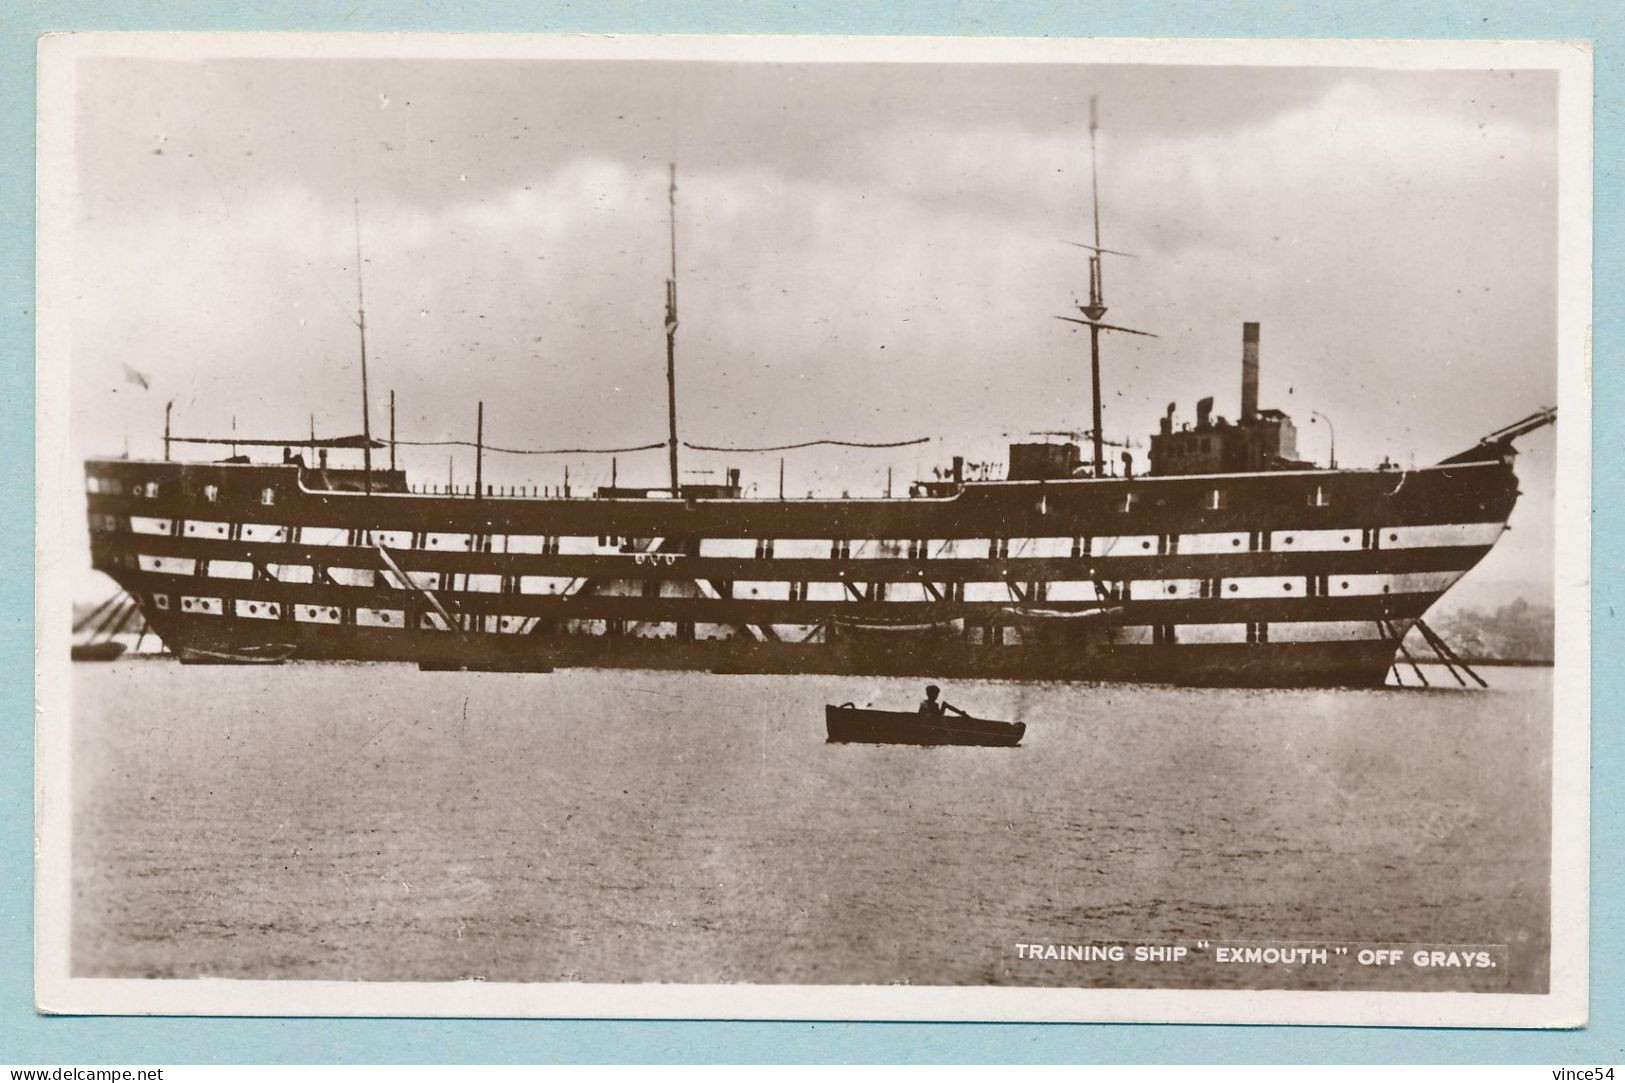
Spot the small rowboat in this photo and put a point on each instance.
(857, 626)
(1040, 614)
(848, 724)
(266, 654)
(105, 651)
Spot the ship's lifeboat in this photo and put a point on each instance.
(107, 650)
(897, 626)
(1041, 615)
(268, 654)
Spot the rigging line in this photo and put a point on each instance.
(250, 442)
(1094, 199)
(336, 443)
(335, 297)
(533, 451)
(810, 443)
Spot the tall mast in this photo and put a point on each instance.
(1095, 310)
(361, 322)
(1097, 303)
(671, 337)
(1097, 285)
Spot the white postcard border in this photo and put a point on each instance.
(1564, 1006)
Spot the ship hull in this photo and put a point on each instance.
(1259, 580)
(1357, 663)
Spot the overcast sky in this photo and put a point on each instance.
(866, 251)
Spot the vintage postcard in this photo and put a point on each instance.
(814, 528)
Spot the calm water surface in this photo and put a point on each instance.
(375, 822)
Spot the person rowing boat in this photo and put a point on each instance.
(933, 708)
(851, 724)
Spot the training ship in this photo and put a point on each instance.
(1228, 562)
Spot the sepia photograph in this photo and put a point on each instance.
(814, 528)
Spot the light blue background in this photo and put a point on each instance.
(29, 1039)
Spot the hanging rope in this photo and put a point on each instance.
(809, 443)
(346, 442)
(531, 451)
(338, 443)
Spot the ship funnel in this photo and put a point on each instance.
(1249, 373)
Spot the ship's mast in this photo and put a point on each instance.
(671, 337)
(361, 322)
(1096, 284)
(1096, 308)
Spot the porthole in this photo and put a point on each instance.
(1344, 585)
(1393, 537)
(1235, 541)
(253, 609)
(1233, 588)
(1386, 588)
(1287, 540)
(1145, 545)
(1345, 539)
(1286, 586)
(1172, 589)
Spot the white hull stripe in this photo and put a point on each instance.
(1001, 590)
(1309, 631)
(1303, 541)
(168, 565)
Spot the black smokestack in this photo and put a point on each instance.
(1249, 372)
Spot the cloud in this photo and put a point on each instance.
(893, 276)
